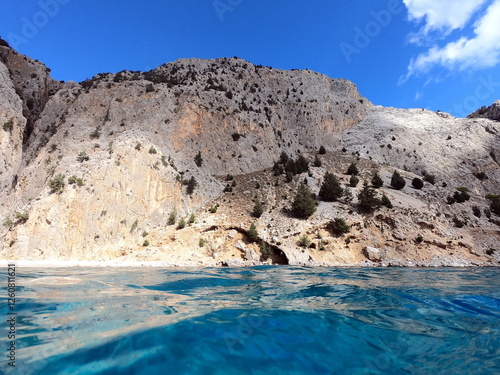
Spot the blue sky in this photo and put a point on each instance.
(435, 54)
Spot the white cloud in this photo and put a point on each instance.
(442, 15)
(480, 51)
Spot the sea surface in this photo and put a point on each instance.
(260, 320)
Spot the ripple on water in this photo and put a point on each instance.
(284, 320)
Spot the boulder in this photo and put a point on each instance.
(373, 254)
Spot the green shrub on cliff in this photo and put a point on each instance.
(57, 184)
(303, 204)
(252, 233)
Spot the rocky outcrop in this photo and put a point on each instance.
(239, 116)
(458, 152)
(492, 112)
(31, 82)
(373, 254)
(94, 170)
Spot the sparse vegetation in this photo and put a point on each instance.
(417, 183)
(191, 185)
(347, 195)
(134, 225)
(397, 181)
(367, 198)
(145, 243)
(304, 241)
(8, 125)
(265, 250)
(330, 190)
(57, 184)
(96, 134)
(152, 150)
(419, 238)
(201, 242)
(181, 224)
(82, 156)
(494, 203)
(352, 170)
(487, 213)
(21, 217)
(284, 158)
(192, 219)
(138, 146)
(377, 181)
(198, 159)
(476, 211)
(322, 150)
(304, 204)
(430, 178)
(460, 196)
(353, 181)
(481, 176)
(339, 226)
(277, 169)
(258, 209)
(213, 209)
(8, 223)
(291, 167)
(458, 223)
(302, 164)
(385, 201)
(252, 233)
(172, 218)
(317, 161)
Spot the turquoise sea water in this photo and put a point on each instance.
(261, 320)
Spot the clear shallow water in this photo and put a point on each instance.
(278, 320)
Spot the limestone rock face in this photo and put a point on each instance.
(94, 170)
(373, 254)
(239, 116)
(421, 141)
(492, 112)
(32, 84)
(131, 138)
(12, 124)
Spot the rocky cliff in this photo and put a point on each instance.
(492, 112)
(94, 170)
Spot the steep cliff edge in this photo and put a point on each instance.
(95, 170)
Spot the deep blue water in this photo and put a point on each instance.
(262, 320)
